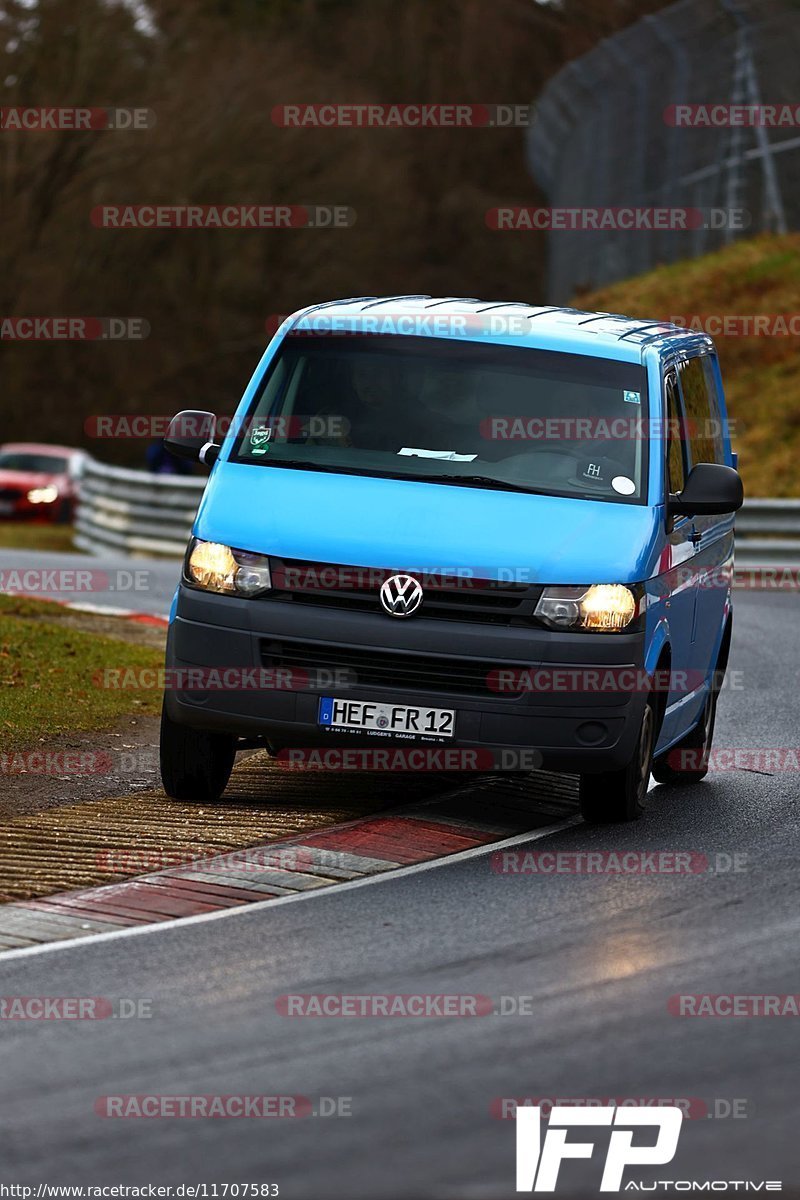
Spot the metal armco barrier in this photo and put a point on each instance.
(768, 532)
(135, 513)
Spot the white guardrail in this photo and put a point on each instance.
(768, 533)
(138, 514)
(135, 513)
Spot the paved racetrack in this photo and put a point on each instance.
(142, 585)
(599, 955)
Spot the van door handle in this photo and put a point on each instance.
(695, 537)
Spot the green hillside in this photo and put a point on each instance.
(761, 372)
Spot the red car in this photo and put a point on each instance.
(39, 481)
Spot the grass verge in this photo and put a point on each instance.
(33, 535)
(51, 675)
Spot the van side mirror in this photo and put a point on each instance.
(191, 435)
(710, 489)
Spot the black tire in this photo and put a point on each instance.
(687, 761)
(195, 765)
(614, 796)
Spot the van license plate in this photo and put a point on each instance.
(387, 718)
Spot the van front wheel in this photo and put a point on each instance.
(687, 761)
(614, 796)
(194, 765)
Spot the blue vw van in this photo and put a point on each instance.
(501, 530)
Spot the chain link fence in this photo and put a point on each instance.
(604, 136)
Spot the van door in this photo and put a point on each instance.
(680, 580)
(713, 535)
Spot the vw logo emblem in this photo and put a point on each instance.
(401, 595)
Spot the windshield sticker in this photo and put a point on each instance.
(259, 438)
(632, 397)
(623, 485)
(445, 455)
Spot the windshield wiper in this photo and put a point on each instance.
(474, 481)
(298, 464)
(486, 481)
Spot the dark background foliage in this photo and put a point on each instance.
(212, 70)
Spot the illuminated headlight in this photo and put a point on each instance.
(43, 495)
(603, 606)
(217, 568)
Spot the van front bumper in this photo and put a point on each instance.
(573, 731)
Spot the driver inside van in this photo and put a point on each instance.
(390, 410)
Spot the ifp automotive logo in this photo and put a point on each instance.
(538, 1163)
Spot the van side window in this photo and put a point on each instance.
(676, 471)
(703, 421)
(716, 412)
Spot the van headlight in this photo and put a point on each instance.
(603, 606)
(217, 568)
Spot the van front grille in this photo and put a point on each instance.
(387, 668)
(446, 596)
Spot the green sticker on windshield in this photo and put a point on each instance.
(260, 435)
(632, 397)
(259, 439)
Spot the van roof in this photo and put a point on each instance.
(604, 334)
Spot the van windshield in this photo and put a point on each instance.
(452, 412)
